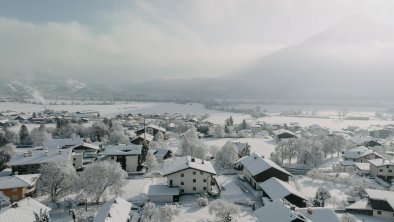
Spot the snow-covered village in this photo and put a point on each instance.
(138, 166)
(196, 111)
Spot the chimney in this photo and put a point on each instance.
(202, 161)
(310, 211)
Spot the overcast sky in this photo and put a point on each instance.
(139, 40)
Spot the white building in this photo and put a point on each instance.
(126, 155)
(382, 168)
(192, 175)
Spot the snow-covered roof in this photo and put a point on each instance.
(360, 205)
(381, 195)
(39, 156)
(240, 146)
(60, 143)
(122, 150)
(154, 127)
(278, 211)
(187, 162)
(161, 152)
(8, 182)
(319, 214)
(255, 164)
(381, 162)
(363, 166)
(359, 152)
(23, 212)
(282, 131)
(360, 140)
(278, 189)
(114, 210)
(162, 190)
(145, 136)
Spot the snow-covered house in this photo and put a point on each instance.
(367, 141)
(161, 153)
(362, 169)
(126, 155)
(151, 129)
(23, 210)
(17, 187)
(379, 132)
(114, 210)
(279, 211)
(88, 151)
(141, 138)
(319, 214)
(28, 161)
(192, 175)
(283, 134)
(361, 154)
(274, 189)
(257, 170)
(379, 203)
(382, 168)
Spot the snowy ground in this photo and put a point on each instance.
(332, 124)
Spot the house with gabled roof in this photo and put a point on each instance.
(379, 203)
(243, 149)
(192, 175)
(257, 170)
(279, 211)
(274, 188)
(361, 154)
(127, 155)
(382, 168)
(115, 210)
(283, 134)
(151, 129)
(17, 187)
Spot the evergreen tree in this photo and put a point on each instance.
(144, 152)
(24, 136)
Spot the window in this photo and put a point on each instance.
(75, 159)
(379, 212)
(194, 172)
(112, 157)
(182, 175)
(204, 180)
(194, 180)
(380, 170)
(390, 171)
(14, 190)
(182, 183)
(201, 173)
(194, 188)
(73, 164)
(182, 190)
(205, 188)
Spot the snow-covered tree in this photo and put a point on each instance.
(218, 131)
(118, 137)
(223, 209)
(149, 212)
(169, 211)
(11, 136)
(40, 135)
(159, 137)
(24, 136)
(322, 194)
(227, 156)
(202, 201)
(57, 179)
(351, 171)
(42, 216)
(192, 145)
(6, 152)
(213, 150)
(101, 176)
(348, 218)
(99, 132)
(151, 161)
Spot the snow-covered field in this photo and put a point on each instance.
(113, 109)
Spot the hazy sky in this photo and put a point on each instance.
(138, 40)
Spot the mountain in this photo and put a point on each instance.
(350, 59)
